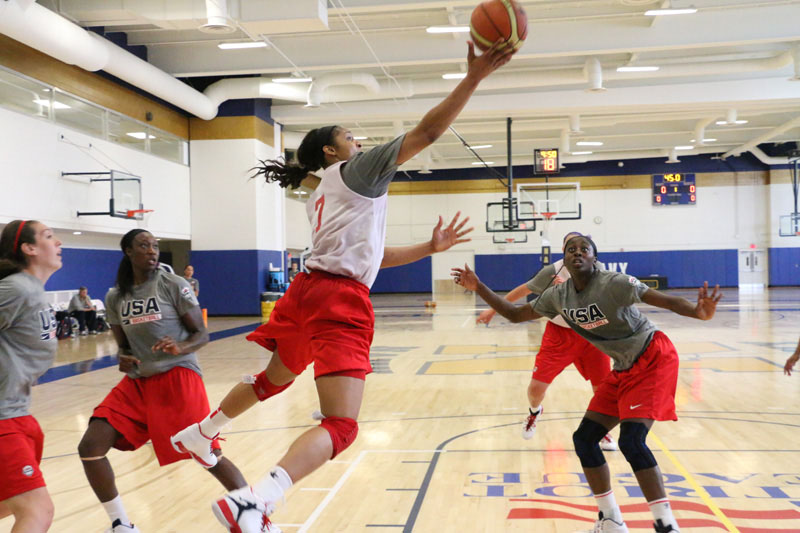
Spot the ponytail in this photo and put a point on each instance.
(125, 270)
(310, 157)
(14, 235)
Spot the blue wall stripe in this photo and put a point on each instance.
(96, 269)
(784, 267)
(414, 277)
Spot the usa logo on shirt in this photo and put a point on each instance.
(186, 292)
(586, 317)
(47, 321)
(140, 311)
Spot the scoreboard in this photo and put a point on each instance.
(674, 189)
(545, 161)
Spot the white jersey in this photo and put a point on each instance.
(348, 230)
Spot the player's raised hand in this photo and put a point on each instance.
(465, 277)
(444, 239)
(486, 316)
(495, 57)
(707, 303)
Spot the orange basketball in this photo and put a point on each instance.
(498, 19)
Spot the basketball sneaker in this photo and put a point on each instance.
(119, 527)
(661, 528)
(192, 441)
(243, 511)
(606, 525)
(608, 443)
(529, 426)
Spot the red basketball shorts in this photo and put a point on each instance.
(646, 390)
(324, 319)
(562, 347)
(154, 408)
(21, 444)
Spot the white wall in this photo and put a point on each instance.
(298, 229)
(34, 153)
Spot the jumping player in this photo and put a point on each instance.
(326, 316)
(560, 347)
(158, 326)
(29, 255)
(599, 306)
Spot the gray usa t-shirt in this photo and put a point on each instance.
(370, 173)
(603, 313)
(151, 311)
(27, 341)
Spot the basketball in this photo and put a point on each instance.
(498, 19)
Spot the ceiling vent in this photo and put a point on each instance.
(218, 21)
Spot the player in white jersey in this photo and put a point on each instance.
(326, 315)
(560, 348)
(599, 306)
(29, 255)
(158, 326)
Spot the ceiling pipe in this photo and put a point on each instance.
(593, 71)
(766, 159)
(794, 123)
(673, 156)
(700, 130)
(322, 83)
(563, 144)
(236, 88)
(217, 13)
(575, 124)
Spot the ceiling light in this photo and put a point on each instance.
(77, 232)
(300, 193)
(245, 44)
(139, 135)
(483, 162)
(359, 138)
(480, 146)
(56, 105)
(581, 153)
(291, 80)
(726, 123)
(637, 69)
(447, 29)
(589, 143)
(705, 140)
(454, 76)
(657, 12)
(688, 147)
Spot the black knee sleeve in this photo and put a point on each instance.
(632, 437)
(586, 440)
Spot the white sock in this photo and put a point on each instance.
(663, 511)
(116, 511)
(535, 410)
(213, 423)
(607, 504)
(272, 487)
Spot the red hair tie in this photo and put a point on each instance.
(16, 239)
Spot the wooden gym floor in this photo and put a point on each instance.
(439, 447)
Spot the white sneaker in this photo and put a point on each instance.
(243, 511)
(529, 426)
(119, 527)
(608, 444)
(606, 525)
(192, 441)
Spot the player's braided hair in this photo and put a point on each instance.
(310, 157)
(125, 270)
(12, 258)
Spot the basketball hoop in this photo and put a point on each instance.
(510, 240)
(549, 215)
(138, 214)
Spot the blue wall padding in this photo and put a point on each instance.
(414, 277)
(95, 269)
(784, 267)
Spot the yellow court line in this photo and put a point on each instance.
(705, 496)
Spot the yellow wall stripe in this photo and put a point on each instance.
(249, 127)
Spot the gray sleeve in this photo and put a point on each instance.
(112, 310)
(627, 290)
(545, 304)
(75, 303)
(11, 302)
(370, 173)
(182, 295)
(541, 280)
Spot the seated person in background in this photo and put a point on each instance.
(293, 272)
(82, 308)
(188, 272)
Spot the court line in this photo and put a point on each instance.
(704, 495)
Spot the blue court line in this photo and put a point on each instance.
(81, 367)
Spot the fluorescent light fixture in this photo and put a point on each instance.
(705, 140)
(77, 232)
(56, 105)
(139, 135)
(483, 162)
(454, 76)
(589, 143)
(291, 80)
(637, 69)
(657, 12)
(684, 147)
(245, 44)
(481, 146)
(360, 138)
(300, 193)
(726, 123)
(447, 29)
(581, 153)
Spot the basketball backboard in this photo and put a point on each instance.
(509, 215)
(125, 194)
(789, 225)
(561, 200)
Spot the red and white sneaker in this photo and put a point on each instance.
(608, 443)
(243, 511)
(529, 426)
(192, 441)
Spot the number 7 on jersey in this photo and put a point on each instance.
(318, 205)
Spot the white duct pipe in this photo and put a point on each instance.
(594, 73)
(730, 116)
(768, 160)
(673, 156)
(563, 145)
(217, 13)
(321, 84)
(700, 130)
(236, 88)
(794, 123)
(575, 124)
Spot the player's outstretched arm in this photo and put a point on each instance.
(704, 309)
(442, 239)
(515, 294)
(789, 366)
(514, 313)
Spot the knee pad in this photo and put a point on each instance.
(343, 432)
(632, 437)
(586, 440)
(264, 388)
